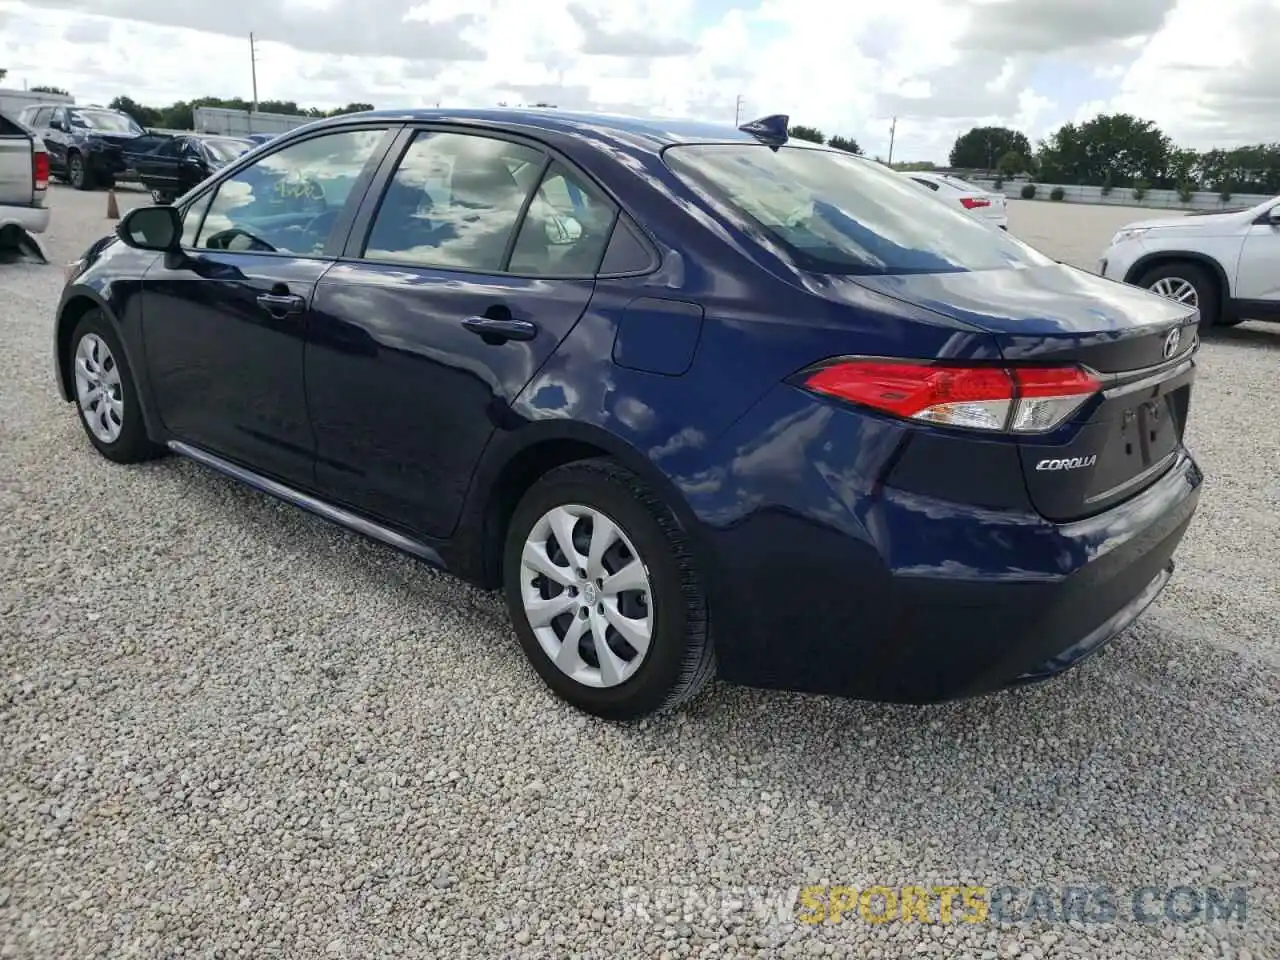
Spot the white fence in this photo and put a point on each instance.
(1123, 196)
(239, 122)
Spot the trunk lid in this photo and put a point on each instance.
(1139, 344)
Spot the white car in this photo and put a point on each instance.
(1225, 264)
(982, 204)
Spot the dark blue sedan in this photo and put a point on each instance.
(702, 401)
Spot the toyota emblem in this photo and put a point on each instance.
(1171, 342)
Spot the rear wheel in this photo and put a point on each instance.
(603, 594)
(1190, 284)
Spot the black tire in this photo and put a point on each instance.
(132, 445)
(1208, 296)
(680, 660)
(78, 173)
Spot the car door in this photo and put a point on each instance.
(224, 324)
(461, 276)
(56, 137)
(1258, 275)
(158, 168)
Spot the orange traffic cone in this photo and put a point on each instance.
(113, 206)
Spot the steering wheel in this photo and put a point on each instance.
(223, 238)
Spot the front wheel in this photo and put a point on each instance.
(1189, 284)
(603, 594)
(106, 395)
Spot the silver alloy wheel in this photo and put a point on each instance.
(98, 388)
(587, 595)
(1175, 288)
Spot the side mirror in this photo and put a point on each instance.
(1274, 216)
(56, 124)
(156, 228)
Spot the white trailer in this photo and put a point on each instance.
(232, 123)
(13, 101)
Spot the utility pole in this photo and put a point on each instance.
(893, 131)
(737, 110)
(253, 70)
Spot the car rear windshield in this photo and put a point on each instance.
(226, 150)
(832, 212)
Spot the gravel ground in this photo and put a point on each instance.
(228, 729)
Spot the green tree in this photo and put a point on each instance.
(847, 144)
(1012, 164)
(46, 89)
(3, 73)
(812, 134)
(982, 147)
(350, 108)
(146, 116)
(1111, 148)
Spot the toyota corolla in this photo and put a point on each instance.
(701, 401)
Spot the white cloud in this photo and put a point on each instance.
(1197, 67)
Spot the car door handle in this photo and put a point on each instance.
(280, 303)
(498, 330)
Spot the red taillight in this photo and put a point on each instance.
(1021, 399)
(973, 203)
(40, 170)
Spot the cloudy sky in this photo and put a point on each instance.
(1197, 67)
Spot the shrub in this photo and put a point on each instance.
(1057, 194)
(1225, 194)
(1140, 189)
(1185, 192)
(1029, 191)
(998, 183)
(1106, 184)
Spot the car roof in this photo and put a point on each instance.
(657, 132)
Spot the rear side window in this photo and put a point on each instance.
(832, 212)
(565, 230)
(454, 202)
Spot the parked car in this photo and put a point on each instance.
(1226, 265)
(259, 138)
(985, 205)
(178, 164)
(24, 182)
(701, 401)
(87, 145)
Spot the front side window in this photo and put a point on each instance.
(453, 202)
(103, 121)
(831, 212)
(565, 230)
(288, 201)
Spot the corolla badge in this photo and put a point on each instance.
(1171, 341)
(1068, 463)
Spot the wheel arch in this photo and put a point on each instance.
(515, 460)
(1162, 257)
(77, 301)
(74, 307)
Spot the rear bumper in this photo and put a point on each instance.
(30, 219)
(924, 601)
